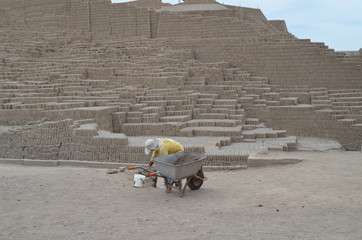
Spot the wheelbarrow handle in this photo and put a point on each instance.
(203, 179)
(139, 167)
(145, 169)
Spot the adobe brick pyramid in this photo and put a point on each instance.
(90, 80)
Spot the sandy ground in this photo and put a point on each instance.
(318, 198)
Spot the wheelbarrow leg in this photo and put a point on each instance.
(168, 185)
(154, 179)
(182, 191)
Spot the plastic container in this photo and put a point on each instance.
(139, 180)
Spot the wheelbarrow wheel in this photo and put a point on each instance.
(195, 182)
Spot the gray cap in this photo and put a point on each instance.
(152, 144)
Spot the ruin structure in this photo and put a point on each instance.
(91, 80)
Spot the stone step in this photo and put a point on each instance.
(178, 113)
(341, 112)
(262, 79)
(195, 83)
(271, 96)
(323, 97)
(208, 96)
(259, 101)
(205, 101)
(252, 121)
(321, 89)
(321, 102)
(212, 116)
(256, 90)
(273, 103)
(252, 96)
(226, 110)
(237, 106)
(30, 106)
(228, 82)
(63, 105)
(321, 106)
(263, 133)
(211, 123)
(159, 110)
(344, 91)
(346, 99)
(346, 108)
(238, 117)
(248, 127)
(211, 131)
(180, 118)
(150, 118)
(134, 114)
(134, 119)
(348, 121)
(254, 84)
(357, 117)
(203, 106)
(354, 103)
(150, 129)
(345, 95)
(241, 76)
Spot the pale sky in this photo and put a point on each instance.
(337, 23)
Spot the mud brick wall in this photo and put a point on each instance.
(150, 129)
(280, 25)
(42, 141)
(285, 62)
(146, 3)
(102, 147)
(154, 20)
(102, 115)
(65, 140)
(19, 116)
(178, 25)
(259, 21)
(109, 40)
(78, 16)
(228, 160)
(33, 15)
(128, 21)
(25, 3)
(68, 140)
(218, 13)
(102, 17)
(305, 121)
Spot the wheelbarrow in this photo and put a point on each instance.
(178, 166)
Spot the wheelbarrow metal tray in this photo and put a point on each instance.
(166, 165)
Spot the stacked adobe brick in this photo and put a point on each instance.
(134, 71)
(204, 103)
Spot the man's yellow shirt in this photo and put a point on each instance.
(169, 146)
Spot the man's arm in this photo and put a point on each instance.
(150, 162)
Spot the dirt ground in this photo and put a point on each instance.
(318, 198)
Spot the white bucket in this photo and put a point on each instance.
(139, 180)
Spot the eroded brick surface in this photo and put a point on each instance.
(80, 79)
